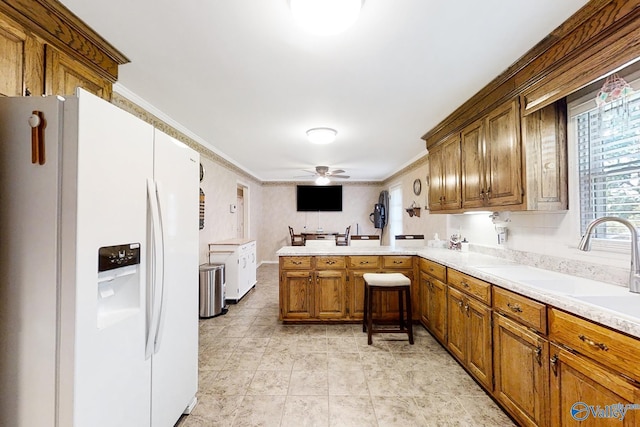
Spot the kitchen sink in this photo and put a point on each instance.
(629, 303)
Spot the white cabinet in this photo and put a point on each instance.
(239, 257)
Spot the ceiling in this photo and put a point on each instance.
(243, 79)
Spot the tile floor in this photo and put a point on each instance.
(255, 371)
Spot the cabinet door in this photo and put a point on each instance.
(329, 294)
(503, 160)
(356, 296)
(456, 331)
(517, 349)
(436, 183)
(295, 295)
(425, 299)
(21, 61)
(438, 310)
(444, 175)
(64, 75)
(578, 385)
(451, 171)
(479, 341)
(472, 160)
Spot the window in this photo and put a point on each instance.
(395, 212)
(608, 140)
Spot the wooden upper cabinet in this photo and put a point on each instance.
(503, 157)
(64, 75)
(21, 61)
(491, 159)
(46, 50)
(444, 175)
(472, 155)
(506, 162)
(544, 141)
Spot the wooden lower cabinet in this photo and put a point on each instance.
(579, 386)
(330, 300)
(469, 336)
(521, 371)
(295, 295)
(356, 295)
(433, 306)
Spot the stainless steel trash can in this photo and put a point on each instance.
(212, 290)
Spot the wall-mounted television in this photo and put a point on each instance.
(319, 198)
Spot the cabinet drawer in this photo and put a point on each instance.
(397, 261)
(434, 269)
(295, 262)
(470, 285)
(526, 311)
(610, 348)
(332, 262)
(364, 261)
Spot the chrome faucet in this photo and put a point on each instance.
(634, 274)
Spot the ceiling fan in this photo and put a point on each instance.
(323, 174)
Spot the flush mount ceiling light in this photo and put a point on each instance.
(322, 180)
(322, 135)
(325, 17)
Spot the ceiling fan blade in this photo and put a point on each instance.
(314, 173)
(335, 171)
(340, 176)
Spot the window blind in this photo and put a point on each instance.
(609, 166)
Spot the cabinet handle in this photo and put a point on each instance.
(460, 305)
(514, 307)
(466, 308)
(364, 262)
(397, 262)
(465, 284)
(554, 364)
(430, 284)
(296, 262)
(331, 262)
(598, 345)
(538, 352)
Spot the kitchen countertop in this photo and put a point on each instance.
(604, 303)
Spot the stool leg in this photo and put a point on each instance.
(401, 309)
(409, 316)
(364, 314)
(369, 314)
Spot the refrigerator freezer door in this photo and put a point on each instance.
(29, 196)
(115, 157)
(175, 361)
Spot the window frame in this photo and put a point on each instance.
(576, 107)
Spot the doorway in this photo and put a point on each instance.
(242, 211)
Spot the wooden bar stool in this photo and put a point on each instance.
(387, 282)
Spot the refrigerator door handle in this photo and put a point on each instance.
(156, 270)
(162, 300)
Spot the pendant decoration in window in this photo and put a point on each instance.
(417, 187)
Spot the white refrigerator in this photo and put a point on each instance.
(99, 267)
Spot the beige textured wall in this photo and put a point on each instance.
(220, 188)
(279, 211)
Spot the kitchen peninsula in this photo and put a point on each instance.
(569, 338)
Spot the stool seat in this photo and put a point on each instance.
(386, 279)
(387, 282)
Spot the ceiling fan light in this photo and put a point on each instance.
(325, 17)
(322, 180)
(321, 135)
